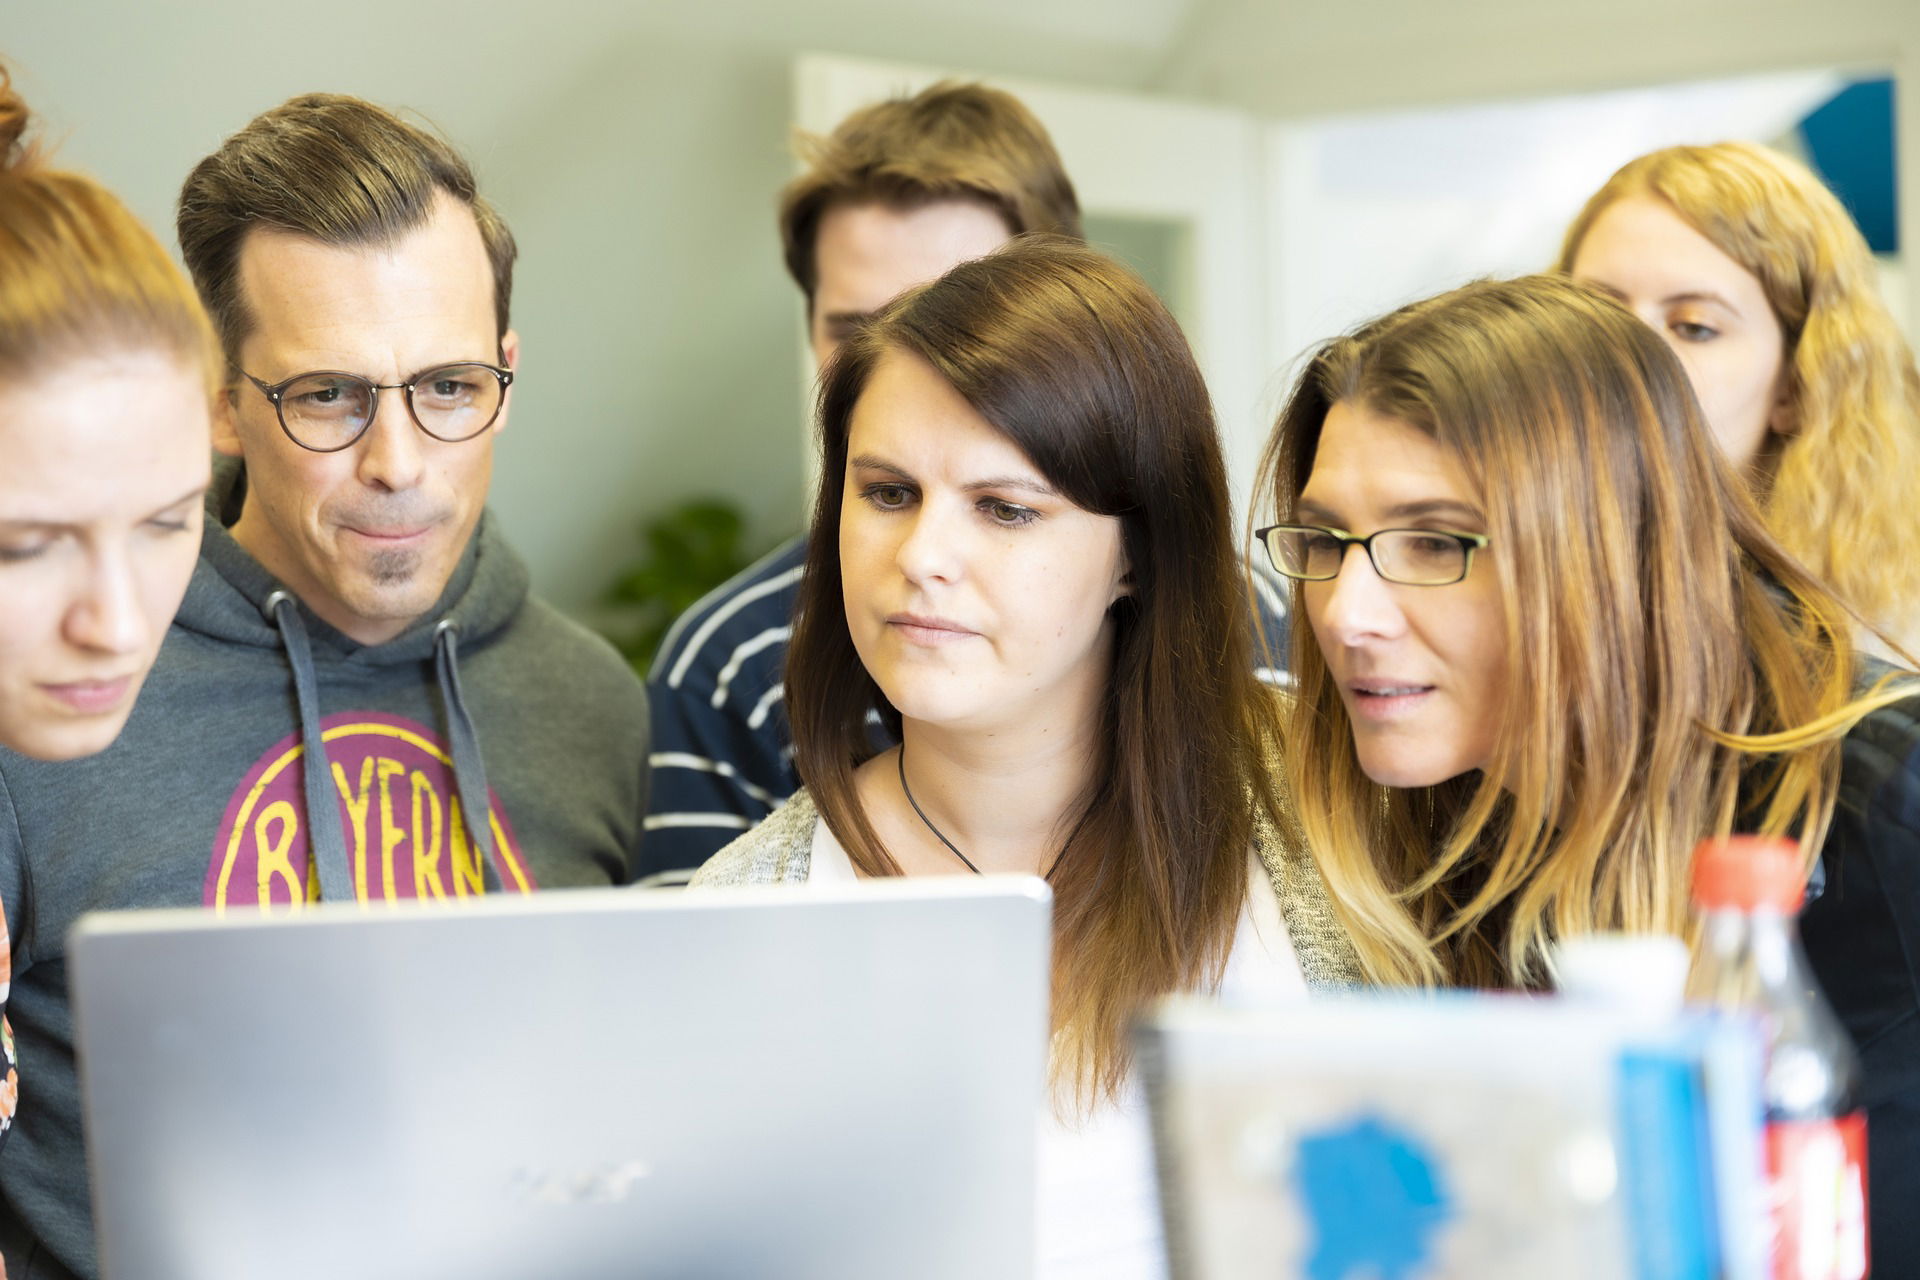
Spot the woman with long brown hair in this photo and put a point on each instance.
(1552, 645)
(1022, 561)
(1763, 286)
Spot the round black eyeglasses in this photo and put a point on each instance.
(327, 410)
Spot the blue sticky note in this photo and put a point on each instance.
(1375, 1199)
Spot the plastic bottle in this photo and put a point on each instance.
(1748, 890)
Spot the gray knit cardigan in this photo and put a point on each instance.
(780, 851)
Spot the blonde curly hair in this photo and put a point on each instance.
(1841, 494)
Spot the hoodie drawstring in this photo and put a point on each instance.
(469, 773)
(327, 841)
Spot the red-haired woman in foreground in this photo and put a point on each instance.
(107, 373)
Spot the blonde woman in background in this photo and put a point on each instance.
(108, 368)
(1551, 646)
(1758, 279)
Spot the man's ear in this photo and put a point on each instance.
(510, 357)
(226, 431)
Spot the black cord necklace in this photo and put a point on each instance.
(953, 848)
(940, 835)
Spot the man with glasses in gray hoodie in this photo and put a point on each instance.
(356, 629)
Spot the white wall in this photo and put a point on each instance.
(635, 149)
(1298, 61)
(1369, 212)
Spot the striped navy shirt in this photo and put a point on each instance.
(722, 750)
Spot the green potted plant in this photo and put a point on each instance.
(685, 553)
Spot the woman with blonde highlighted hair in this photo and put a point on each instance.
(1757, 277)
(1552, 645)
(108, 369)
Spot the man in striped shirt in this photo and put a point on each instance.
(899, 193)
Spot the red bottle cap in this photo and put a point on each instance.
(1745, 873)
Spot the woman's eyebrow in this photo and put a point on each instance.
(195, 494)
(1435, 507)
(869, 462)
(1698, 295)
(1028, 484)
(1426, 508)
(1685, 295)
(29, 523)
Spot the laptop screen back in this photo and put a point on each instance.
(581, 1084)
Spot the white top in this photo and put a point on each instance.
(1099, 1208)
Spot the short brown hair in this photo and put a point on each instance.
(337, 169)
(79, 275)
(948, 142)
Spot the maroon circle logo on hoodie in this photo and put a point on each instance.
(407, 834)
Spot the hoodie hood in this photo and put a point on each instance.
(233, 599)
(227, 597)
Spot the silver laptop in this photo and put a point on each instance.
(1460, 1137)
(581, 1084)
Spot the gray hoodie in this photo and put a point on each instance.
(207, 799)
